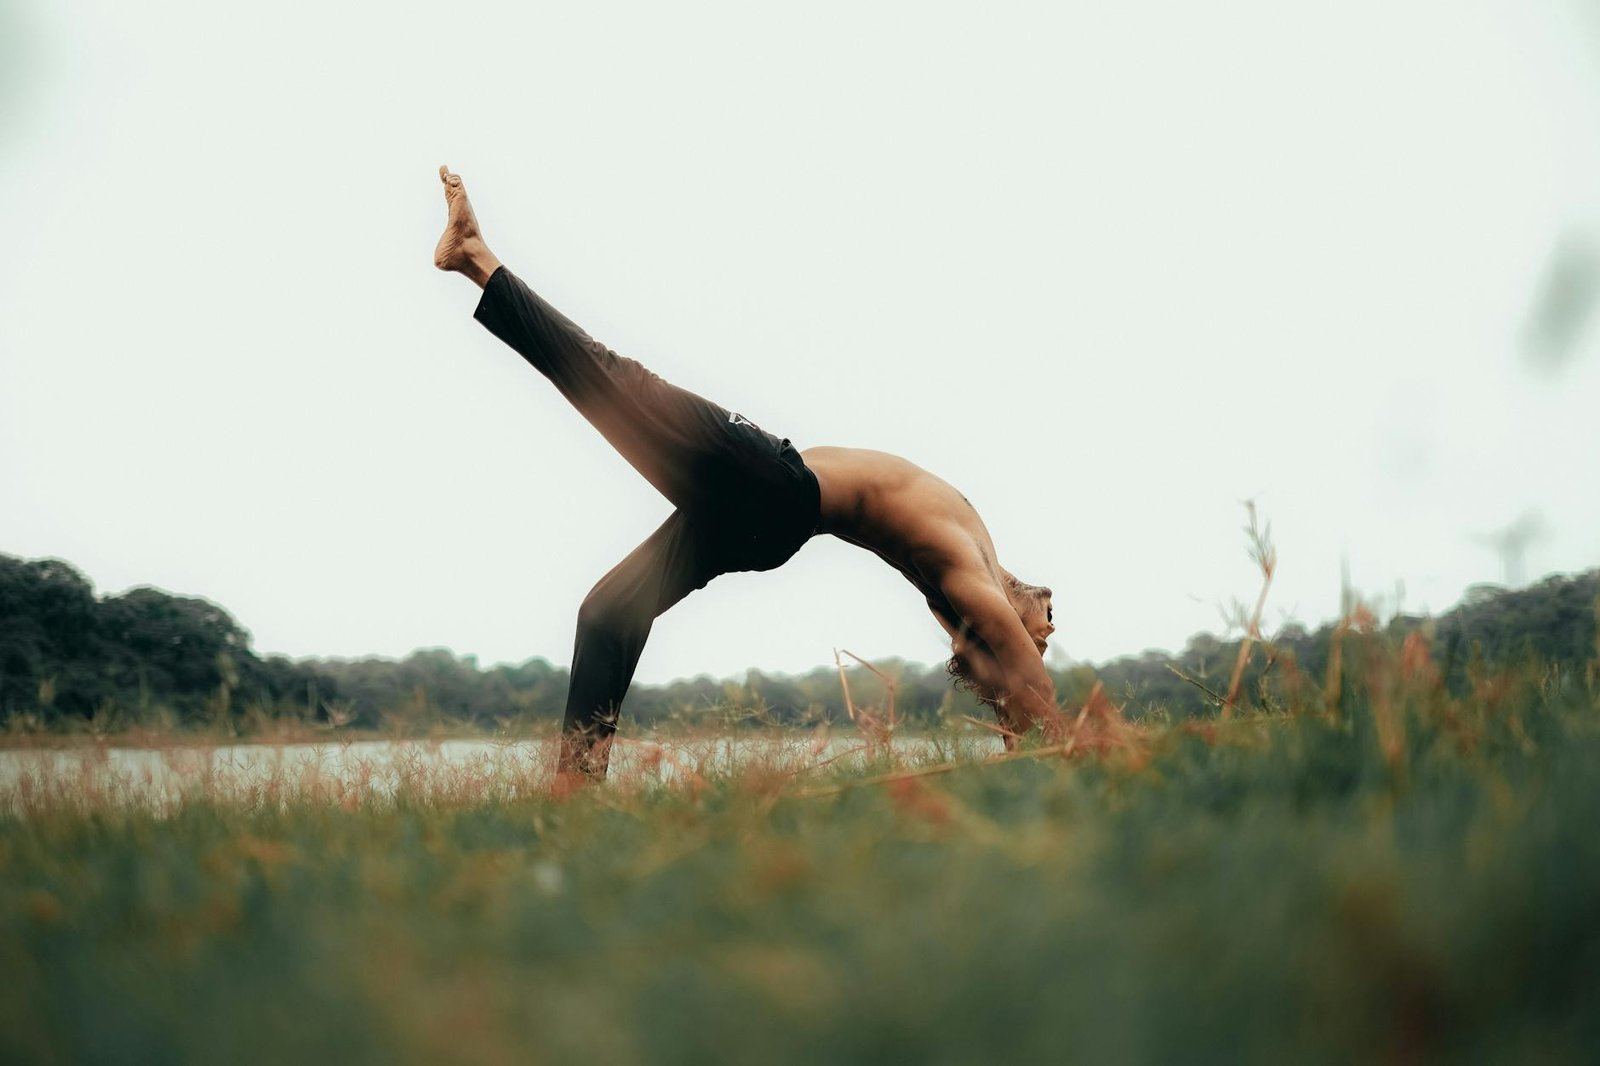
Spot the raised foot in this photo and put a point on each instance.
(461, 248)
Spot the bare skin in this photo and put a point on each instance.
(916, 522)
(923, 527)
(461, 248)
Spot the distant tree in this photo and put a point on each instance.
(47, 626)
(63, 652)
(187, 650)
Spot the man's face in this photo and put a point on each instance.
(1038, 616)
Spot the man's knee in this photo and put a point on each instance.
(607, 609)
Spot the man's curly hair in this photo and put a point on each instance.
(960, 672)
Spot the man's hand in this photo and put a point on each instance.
(1004, 662)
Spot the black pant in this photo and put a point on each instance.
(744, 498)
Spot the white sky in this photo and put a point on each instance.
(1109, 268)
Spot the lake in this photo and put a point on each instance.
(349, 771)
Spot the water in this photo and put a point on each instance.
(350, 771)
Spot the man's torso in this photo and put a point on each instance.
(915, 521)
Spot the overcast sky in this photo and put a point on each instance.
(1108, 268)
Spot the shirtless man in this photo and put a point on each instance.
(747, 500)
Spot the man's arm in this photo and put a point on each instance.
(1000, 654)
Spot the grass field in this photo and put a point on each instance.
(1401, 875)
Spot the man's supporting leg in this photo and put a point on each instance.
(613, 625)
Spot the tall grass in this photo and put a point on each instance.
(1371, 867)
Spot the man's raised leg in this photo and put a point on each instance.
(685, 445)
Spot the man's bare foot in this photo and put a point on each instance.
(461, 248)
(582, 760)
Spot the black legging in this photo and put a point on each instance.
(744, 498)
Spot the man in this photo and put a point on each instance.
(747, 500)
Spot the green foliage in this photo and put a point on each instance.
(431, 685)
(1552, 622)
(65, 653)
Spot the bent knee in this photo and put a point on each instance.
(604, 608)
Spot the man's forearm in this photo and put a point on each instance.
(1021, 691)
(1032, 693)
(1004, 657)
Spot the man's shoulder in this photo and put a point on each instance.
(942, 549)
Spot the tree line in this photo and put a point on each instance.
(67, 654)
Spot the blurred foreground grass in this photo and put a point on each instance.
(1406, 875)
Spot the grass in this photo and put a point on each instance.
(1401, 875)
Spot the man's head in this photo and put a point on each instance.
(1033, 605)
(1034, 608)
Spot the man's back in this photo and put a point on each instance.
(915, 521)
